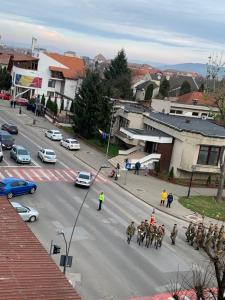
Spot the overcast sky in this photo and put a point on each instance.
(164, 31)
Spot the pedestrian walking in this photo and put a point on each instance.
(117, 171)
(11, 103)
(14, 103)
(173, 234)
(164, 196)
(169, 200)
(147, 170)
(137, 167)
(101, 199)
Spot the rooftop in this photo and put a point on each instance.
(134, 108)
(74, 66)
(153, 132)
(4, 58)
(194, 125)
(27, 271)
(196, 98)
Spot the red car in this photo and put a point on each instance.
(21, 101)
(5, 96)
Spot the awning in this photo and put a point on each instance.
(153, 135)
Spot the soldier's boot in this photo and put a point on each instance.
(197, 248)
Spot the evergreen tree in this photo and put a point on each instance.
(118, 77)
(92, 111)
(201, 88)
(164, 88)
(54, 108)
(48, 105)
(72, 107)
(43, 100)
(149, 92)
(185, 88)
(5, 79)
(62, 105)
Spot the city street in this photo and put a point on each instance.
(104, 265)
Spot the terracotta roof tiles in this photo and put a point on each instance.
(26, 270)
(197, 98)
(74, 66)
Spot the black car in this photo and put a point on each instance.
(6, 139)
(11, 128)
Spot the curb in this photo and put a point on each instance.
(154, 206)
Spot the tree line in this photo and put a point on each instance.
(5, 79)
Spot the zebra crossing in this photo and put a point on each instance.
(43, 174)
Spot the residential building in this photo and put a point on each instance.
(194, 104)
(181, 143)
(52, 74)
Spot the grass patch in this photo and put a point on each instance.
(205, 205)
(102, 146)
(68, 130)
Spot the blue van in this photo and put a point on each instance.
(6, 139)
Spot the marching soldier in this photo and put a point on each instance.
(215, 236)
(173, 234)
(199, 238)
(188, 231)
(192, 234)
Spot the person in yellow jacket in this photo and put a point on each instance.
(101, 199)
(164, 195)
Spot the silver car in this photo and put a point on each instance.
(27, 213)
(20, 154)
(47, 155)
(84, 179)
(54, 135)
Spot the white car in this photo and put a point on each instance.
(27, 213)
(70, 144)
(54, 135)
(47, 155)
(84, 179)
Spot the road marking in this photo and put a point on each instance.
(36, 175)
(18, 174)
(72, 178)
(52, 175)
(57, 172)
(28, 177)
(35, 163)
(44, 174)
(8, 173)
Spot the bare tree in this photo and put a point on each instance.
(219, 195)
(213, 67)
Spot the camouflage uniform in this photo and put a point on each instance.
(192, 234)
(173, 234)
(188, 231)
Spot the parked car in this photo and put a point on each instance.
(47, 155)
(6, 139)
(11, 128)
(21, 101)
(70, 144)
(54, 135)
(12, 187)
(1, 153)
(5, 96)
(20, 154)
(84, 179)
(27, 213)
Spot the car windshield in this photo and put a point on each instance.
(13, 127)
(84, 176)
(56, 132)
(22, 152)
(50, 153)
(74, 142)
(7, 138)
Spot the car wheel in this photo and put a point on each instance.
(32, 219)
(46, 134)
(10, 195)
(1, 158)
(33, 190)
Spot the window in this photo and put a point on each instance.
(51, 83)
(123, 122)
(51, 94)
(208, 155)
(172, 111)
(179, 112)
(204, 115)
(195, 114)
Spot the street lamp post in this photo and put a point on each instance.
(76, 219)
(110, 129)
(190, 182)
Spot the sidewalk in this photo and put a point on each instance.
(146, 188)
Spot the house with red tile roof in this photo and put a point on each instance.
(193, 104)
(26, 269)
(52, 74)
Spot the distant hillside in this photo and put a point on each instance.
(191, 67)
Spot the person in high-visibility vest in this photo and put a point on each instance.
(101, 199)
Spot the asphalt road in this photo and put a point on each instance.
(104, 265)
